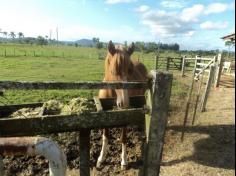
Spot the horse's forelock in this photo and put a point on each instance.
(120, 47)
(121, 61)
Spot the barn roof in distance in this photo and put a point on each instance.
(230, 37)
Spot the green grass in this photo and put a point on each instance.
(76, 64)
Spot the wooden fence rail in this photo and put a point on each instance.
(72, 85)
(66, 123)
(160, 87)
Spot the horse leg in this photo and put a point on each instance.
(124, 162)
(103, 152)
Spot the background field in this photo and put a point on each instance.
(63, 63)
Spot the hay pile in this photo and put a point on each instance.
(54, 107)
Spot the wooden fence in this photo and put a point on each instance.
(159, 88)
(169, 63)
(204, 68)
(16, 52)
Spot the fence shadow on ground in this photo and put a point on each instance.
(218, 150)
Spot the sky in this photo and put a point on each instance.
(193, 24)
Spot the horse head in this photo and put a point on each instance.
(118, 67)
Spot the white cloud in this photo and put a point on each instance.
(214, 25)
(191, 14)
(166, 24)
(173, 23)
(173, 3)
(119, 1)
(219, 7)
(142, 8)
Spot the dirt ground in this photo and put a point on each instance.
(208, 148)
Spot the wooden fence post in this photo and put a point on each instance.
(1, 166)
(167, 63)
(188, 99)
(219, 66)
(214, 63)
(183, 66)
(161, 97)
(198, 95)
(5, 53)
(156, 61)
(84, 146)
(208, 87)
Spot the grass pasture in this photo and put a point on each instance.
(49, 64)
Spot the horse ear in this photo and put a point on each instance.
(130, 49)
(111, 48)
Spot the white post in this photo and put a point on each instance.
(51, 151)
(183, 65)
(31, 146)
(218, 70)
(207, 89)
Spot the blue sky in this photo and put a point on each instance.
(191, 23)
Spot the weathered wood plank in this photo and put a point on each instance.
(207, 89)
(71, 85)
(203, 59)
(188, 101)
(68, 123)
(202, 64)
(84, 146)
(1, 166)
(200, 82)
(219, 65)
(8, 109)
(161, 96)
(183, 66)
(205, 67)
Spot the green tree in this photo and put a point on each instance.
(20, 35)
(140, 46)
(5, 34)
(12, 34)
(41, 40)
(125, 44)
(97, 43)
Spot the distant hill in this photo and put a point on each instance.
(85, 42)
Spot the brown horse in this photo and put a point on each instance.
(120, 67)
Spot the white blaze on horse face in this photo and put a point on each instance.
(122, 98)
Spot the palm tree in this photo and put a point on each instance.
(5, 33)
(20, 35)
(12, 34)
(229, 44)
